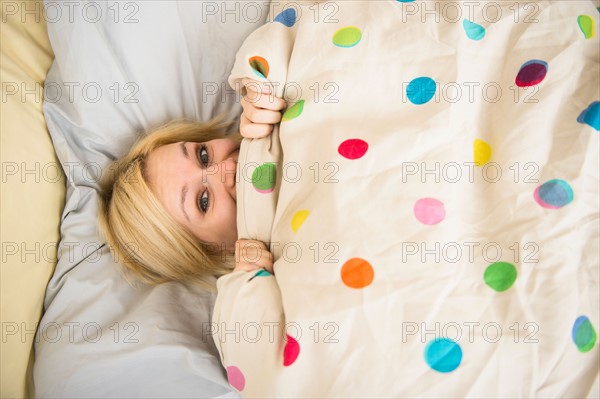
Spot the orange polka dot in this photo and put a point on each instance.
(260, 66)
(357, 273)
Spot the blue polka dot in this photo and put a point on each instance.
(287, 17)
(474, 31)
(443, 355)
(421, 90)
(406, 1)
(553, 194)
(591, 115)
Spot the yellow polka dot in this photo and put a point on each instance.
(482, 152)
(298, 219)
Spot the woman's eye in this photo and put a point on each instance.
(203, 155)
(203, 201)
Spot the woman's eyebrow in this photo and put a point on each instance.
(184, 189)
(184, 150)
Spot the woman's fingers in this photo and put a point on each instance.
(254, 130)
(258, 95)
(253, 255)
(255, 85)
(263, 101)
(256, 114)
(261, 109)
(256, 122)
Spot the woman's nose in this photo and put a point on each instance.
(228, 171)
(223, 174)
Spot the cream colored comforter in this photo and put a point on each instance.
(431, 200)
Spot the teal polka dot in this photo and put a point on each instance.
(262, 273)
(421, 90)
(474, 31)
(443, 355)
(591, 115)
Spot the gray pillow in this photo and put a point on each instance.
(122, 68)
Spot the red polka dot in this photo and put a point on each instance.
(353, 148)
(291, 351)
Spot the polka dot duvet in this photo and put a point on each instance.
(430, 198)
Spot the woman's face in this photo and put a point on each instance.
(195, 182)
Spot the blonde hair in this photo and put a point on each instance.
(140, 232)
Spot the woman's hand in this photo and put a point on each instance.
(251, 255)
(261, 109)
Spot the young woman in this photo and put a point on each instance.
(177, 186)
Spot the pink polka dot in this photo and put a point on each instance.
(236, 378)
(291, 351)
(429, 211)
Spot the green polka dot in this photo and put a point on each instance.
(294, 111)
(500, 276)
(583, 333)
(347, 37)
(586, 24)
(264, 177)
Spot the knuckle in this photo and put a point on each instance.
(263, 100)
(251, 114)
(262, 132)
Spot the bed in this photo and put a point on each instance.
(73, 327)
